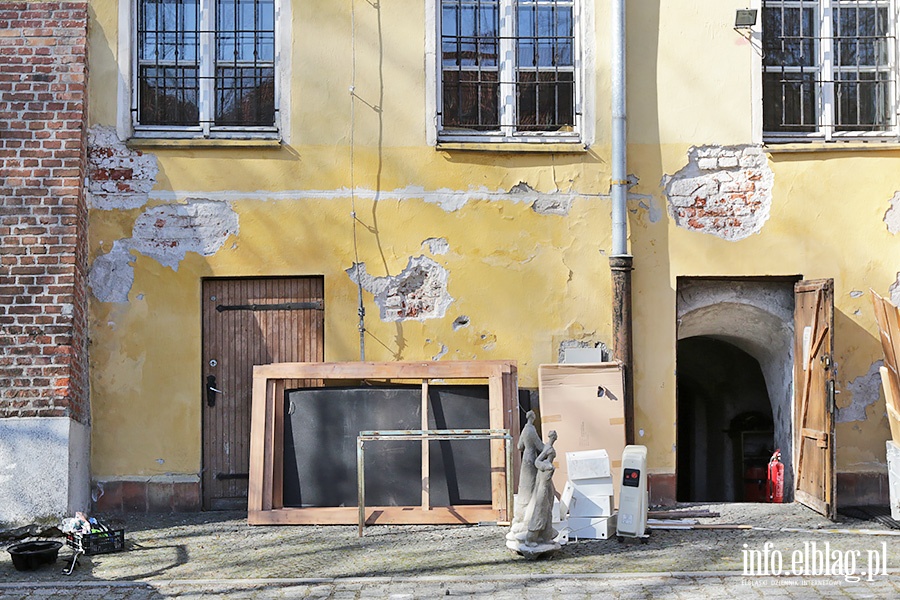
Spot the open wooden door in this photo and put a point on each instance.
(814, 447)
(246, 322)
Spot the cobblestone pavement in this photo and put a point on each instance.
(211, 555)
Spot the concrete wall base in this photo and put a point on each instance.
(44, 469)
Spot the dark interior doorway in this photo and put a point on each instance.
(725, 428)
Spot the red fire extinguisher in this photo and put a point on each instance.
(775, 480)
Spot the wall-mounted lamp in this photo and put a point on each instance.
(745, 18)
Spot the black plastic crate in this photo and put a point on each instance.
(97, 543)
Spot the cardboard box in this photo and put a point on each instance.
(592, 528)
(585, 404)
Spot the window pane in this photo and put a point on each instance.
(168, 30)
(168, 95)
(861, 36)
(470, 99)
(245, 30)
(863, 101)
(544, 35)
(245, 96)
(789, 35)
(470, 33)
(546, 101)
(789, 102)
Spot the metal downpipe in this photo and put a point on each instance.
(620, 261)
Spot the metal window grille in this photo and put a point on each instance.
(829, 67)
(508, 66)
(205, 63)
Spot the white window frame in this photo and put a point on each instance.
(826, 70)
(583, 60)
(127, 123)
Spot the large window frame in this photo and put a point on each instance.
(200, 37)
(818, 61)
(509, 127)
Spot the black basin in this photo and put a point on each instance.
(27, 556)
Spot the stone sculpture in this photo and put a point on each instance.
(531, 534)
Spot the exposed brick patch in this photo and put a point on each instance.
(119, 177)
(725, 191)
(43, 215)
(418, 292)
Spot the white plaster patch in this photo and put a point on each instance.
(892, 216)
(864, 391)
(894, 291)
(418, 292)
(856, 293)
(639, 202)
(725, 191)
(168, 232)
(437, 245)
(118, 177)
(112, 274)
(440, 354)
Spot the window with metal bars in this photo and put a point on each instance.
(205, 65)
(829, 68)
(508, 69)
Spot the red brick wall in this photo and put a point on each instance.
(43, 217)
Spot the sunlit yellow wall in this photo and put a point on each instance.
(527, 281)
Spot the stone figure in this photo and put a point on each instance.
(530, 445)
(531, 534)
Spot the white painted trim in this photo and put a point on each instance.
(756, 79)
(124, 53)
(432, 56)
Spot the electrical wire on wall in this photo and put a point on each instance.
(361, 309)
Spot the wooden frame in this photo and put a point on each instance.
(265, 496)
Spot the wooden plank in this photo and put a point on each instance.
(378, 515)
(426, 454)
(269, 451)
(257, 444)
(278, 447)
(498, 457)
(393, 370)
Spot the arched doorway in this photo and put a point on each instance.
(734, 363)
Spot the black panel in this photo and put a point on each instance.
(321, 425)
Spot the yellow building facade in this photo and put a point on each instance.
(470, 239)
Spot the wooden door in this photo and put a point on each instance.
(248, 322)
(814, 446)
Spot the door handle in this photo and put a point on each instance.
(211, 390)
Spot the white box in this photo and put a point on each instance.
(592, 528)
(589, 464)
(893, 460)
(583, 505)
(601, 486)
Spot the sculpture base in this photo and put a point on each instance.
(532, 551)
